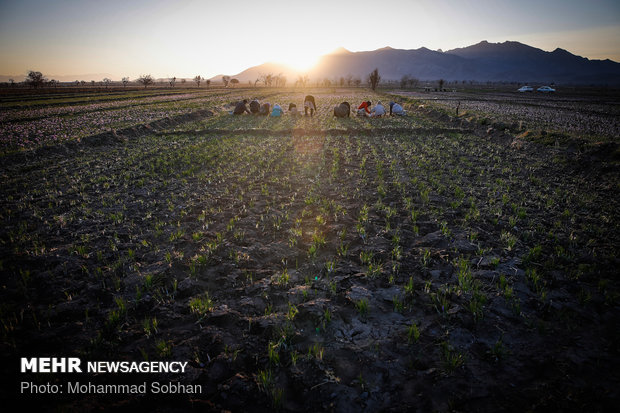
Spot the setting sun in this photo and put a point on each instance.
(300, 60)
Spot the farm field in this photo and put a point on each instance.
(420, 263)
(588, 115)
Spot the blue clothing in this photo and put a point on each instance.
(277, 110)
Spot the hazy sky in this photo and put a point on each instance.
(184, 38)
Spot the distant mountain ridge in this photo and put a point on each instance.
(507, 61)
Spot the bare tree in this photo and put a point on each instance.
(441, 83)
(349, 79)
(302, 80)
(413, 82)
(404, 81)
(107, 82)
(279, 80)
(172, 81)
(208, 82)
(198, 79)
(125, 80)
(374, 78)
(145, 80)
(92, 83)
(225, 80)
(35, 79)
(357, 82)
(183, 81)
(12, 82)
(234, 82)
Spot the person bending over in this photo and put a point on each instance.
(364, 108)
(277, 111)
(292, 109)
(342, 110)
(264, 109)
(396, 109)
(241, 108)
(309, 105)
(254, 106)
(378, 110)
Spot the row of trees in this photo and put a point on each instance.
(36, 79)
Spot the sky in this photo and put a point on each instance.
(185, 38)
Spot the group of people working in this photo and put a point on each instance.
(342, 110)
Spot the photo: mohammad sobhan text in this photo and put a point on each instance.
(27, 387)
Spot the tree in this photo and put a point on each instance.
(125, 81)
(404, 81)
(172, 81)
(357, 81)
(302, 81)
(225, 80)
(12, 82)
(374, 78)
(107, 82)
(281, 80)
(198, 79)
(35, 79)
(234, 82)
(267, 79)
(145, 80)
(441, 83)
(183, 81)
(208, 82)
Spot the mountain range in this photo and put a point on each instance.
(497, 62)
(508, 62)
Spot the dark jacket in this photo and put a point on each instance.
(343, 110)
(254, 106)
(240, 108)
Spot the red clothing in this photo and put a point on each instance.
(364, 106)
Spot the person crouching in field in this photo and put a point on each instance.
(276, 111)
(264, 109)
(378, 110)
(309, 104)
(396, 109)
(292, 109)
(241, 108)
(342, 110)
(364, 108)
(254, 106)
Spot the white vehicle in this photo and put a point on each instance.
(546, 89)
(525, 89)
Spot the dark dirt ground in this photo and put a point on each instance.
(448, 268)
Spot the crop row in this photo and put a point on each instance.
(318, 236)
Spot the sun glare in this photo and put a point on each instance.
(301, 58)
(299, 61)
